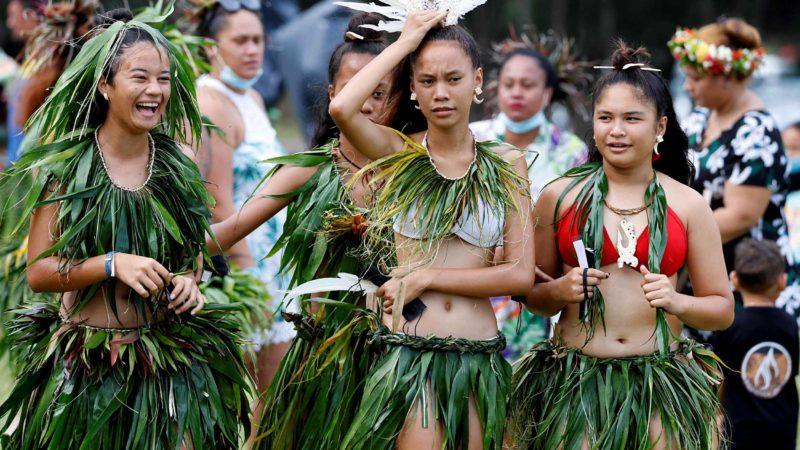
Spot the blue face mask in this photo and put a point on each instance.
(525, 126)
(229, 77)
(794, 165)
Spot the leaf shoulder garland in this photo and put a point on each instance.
(411, 185)
(589, 216)
(316, 240)
(166, 220)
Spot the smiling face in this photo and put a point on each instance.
(375, 105)
(140, 88)
(522, 88)
(625, 126)
(240, 44)
(444, 80)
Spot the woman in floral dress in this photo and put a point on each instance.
(739, 156)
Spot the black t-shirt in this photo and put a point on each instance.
(759, 393)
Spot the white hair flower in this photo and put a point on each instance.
(397, 11)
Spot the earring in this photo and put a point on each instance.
(105, 96)
(414, 99)
(478, 91)
(656, 155)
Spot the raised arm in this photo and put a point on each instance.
(260, 208)
(373, 140)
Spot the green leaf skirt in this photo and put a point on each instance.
(157, 388)
(561, 397)
(313, 398)
(14, 291)
(417, 374)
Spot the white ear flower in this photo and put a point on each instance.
(397, 11)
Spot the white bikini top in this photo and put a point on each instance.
(484, 230)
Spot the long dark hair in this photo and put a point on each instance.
(373, 43)
(412, 119)
(674, 160)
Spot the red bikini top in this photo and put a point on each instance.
(674, 254)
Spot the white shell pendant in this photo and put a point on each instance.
(627, 253)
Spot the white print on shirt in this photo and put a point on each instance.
(766, 368)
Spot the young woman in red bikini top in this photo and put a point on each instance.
(617, 344)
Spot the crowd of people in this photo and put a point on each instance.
(176, 279)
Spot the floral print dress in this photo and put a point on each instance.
(750, 153)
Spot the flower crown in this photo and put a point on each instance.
(714, 59)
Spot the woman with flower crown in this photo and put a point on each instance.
(736, 143)
(128, 355)
(613, 234)
(446, 202)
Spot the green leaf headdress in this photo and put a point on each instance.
(68, 110)
(181, 34)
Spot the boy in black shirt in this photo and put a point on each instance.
(761, 350)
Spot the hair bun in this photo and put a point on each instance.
(624, 55)
(354, 28)
(115, 15)
(740, 34)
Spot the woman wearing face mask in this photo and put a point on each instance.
(311, 401)
(229, 157)
(616, 373)
(446, 202)
(741, 164)
(526, 83)
(128, 354)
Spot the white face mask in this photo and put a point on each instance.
(229, 77)
(523, 126)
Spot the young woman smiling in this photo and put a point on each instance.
(129, 356)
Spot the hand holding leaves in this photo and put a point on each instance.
(145, 276)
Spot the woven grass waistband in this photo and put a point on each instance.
(679, 348)
(440, 344)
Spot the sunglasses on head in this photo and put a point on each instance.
(236, 5)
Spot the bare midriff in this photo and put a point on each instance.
(630, 322)
(446, 314)
(98, 313)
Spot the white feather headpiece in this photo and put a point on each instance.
(397, 11)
